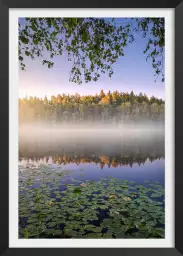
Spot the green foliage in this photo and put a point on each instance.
(112, 107)
(92, 44)
(154, 30)
(101, 209)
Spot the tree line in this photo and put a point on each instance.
(111, 107)
(103, 161)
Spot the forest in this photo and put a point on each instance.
(111, 107)
(114, 162)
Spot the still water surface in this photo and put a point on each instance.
(137, 156)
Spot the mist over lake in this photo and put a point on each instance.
(126, 141)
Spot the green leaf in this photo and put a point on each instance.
(94, 235)
(57, 232)
(33, 27)
(24, 40)
(27, 53)
(159, 232)
(51, 224)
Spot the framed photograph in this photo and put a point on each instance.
(90, 121)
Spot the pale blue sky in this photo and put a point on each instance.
(131, 72)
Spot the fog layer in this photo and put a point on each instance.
(110, 140)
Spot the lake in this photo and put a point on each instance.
(102, 183)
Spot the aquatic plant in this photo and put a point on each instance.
(51, 206)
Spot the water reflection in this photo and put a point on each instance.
(102, 161)
(138, 156)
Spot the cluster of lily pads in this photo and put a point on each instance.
(52, 205)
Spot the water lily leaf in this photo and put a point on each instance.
(142, 226)
(151, 209)
(70, 232)
(156, 195)
(49, 231)
(89, 227)
(33, 220)
(94, 235)
(121, 234)
(51, 224)
(107, 235)
(159, 232)
(77, 190)
(57, 232)
(124, 187)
